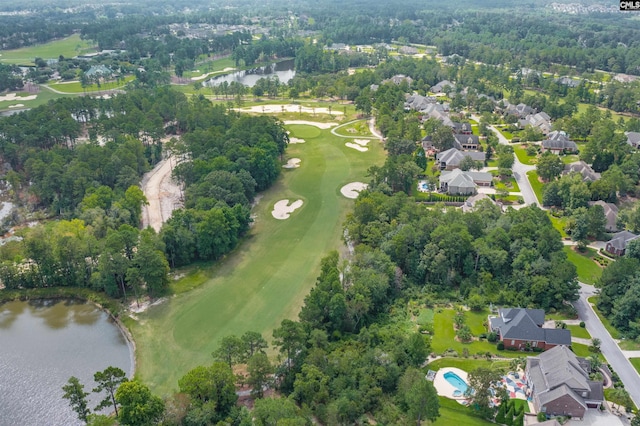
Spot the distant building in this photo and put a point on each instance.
(568, 81)
(610, 213)
(451, 158)
(585, 170)
(98, 70)
(465, 142)
(470, 204)
(633, 139)
(441, 87)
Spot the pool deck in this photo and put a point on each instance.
(446, 389)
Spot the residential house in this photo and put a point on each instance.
(618, 243)
(439, 112)
(98, 70)
(462, 128)
(398, 79)
(559, 384)
(540, 121)
(419, 103)
(451, 158)
(633, 139)
(470, 204)
(464, 142)
(610, 213)
(568, 81)
(521, 110)
(408, 50)
(458, 182)
(558, 142)
(520, 328)
(588, 175)
(441, 87)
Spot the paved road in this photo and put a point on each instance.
(609, 347)
(520, 173)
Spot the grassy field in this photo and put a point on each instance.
(577, 331)
(521, 153)
(452, 413)
(559, 224)
(75, 87)
(207, 66)
(636, 363)
(67, 47)
(583, 351)
(536, 185)
(588, 270)
(512, 185)
(444, 334)
(267, 277)
(42, 98)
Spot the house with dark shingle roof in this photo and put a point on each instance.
(618, 243)
(558, 142)
(559, 383)
(610, 213)
(458, 182)
(464, 142)
(462, 128)
(441, 87)
(521, 328)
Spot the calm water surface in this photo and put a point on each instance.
(284, 70)
(42, 344)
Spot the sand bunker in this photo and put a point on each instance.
(312, 123)
(14, 97)
(289, 108)
(296, 140)
(16, 106)
(282, 209)
(200, 77)
(351, 190)
(360, 144)
(293, 163)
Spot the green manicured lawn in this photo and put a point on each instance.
(513, 185)
(68, 47)
(583, 350)
(636, 363)
(42, 98)
(521, 153)
(477, 321)
(468, 364)
(75, 87)
(267, 277)
(607, 324)
(577, 331)
(216, 66)
(358, 129)
(559, 224)
(588, 270)
(609, 396)
(629, 345)
(536, 185)
(425, 316)
(521, 403)
(452, 413)
(444, 334)
(567, 159)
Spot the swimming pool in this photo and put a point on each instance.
(456, 382)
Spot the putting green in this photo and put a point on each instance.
(304, 131)
(267, 277)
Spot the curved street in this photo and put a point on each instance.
(610, 349)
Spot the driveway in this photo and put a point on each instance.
(610, 348)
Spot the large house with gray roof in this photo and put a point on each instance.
(520, 328)
(441, 87)
(463, 142)
(633, 138)
(618, 243)
(585, 170)
(458, 182)
(558, 142)
(451, 158)
(559, 383)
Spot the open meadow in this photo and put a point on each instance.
(267, 277)
(68, 47)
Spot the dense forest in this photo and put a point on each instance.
(94, 186)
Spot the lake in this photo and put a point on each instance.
(42, 344)
(284, 70)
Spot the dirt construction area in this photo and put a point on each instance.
(163, 194)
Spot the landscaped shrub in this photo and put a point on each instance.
(492, 337)
(582, 324)
(500, 346)
(508, 418)
(519, 420)
(542, 417)
(501, 412)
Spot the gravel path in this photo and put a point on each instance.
(162, 193)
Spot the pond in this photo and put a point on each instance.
(284, 70)
(42, 344)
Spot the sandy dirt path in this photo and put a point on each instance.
(163, 194)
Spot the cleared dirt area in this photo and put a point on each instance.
(163, 194)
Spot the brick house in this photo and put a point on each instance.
(521, 329)
(618, 243)
(559, 383)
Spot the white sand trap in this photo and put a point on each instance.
(362, 142)
(312, 123)
(296, 140)
(282, 209)
(293, 163)
(351, 190)
(357, 147)
(14, 97)
(289, 108)
(16, 106)
(200, 77)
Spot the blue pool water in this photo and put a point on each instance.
(456, 382)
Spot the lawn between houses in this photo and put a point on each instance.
(267, 277)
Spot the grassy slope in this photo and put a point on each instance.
(577, 331)
(536, 185)
(67, 47)
(266, 279)
(636, 363)
(588, 270)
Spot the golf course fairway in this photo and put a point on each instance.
(267, 277)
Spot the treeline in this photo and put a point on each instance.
(225, 159)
